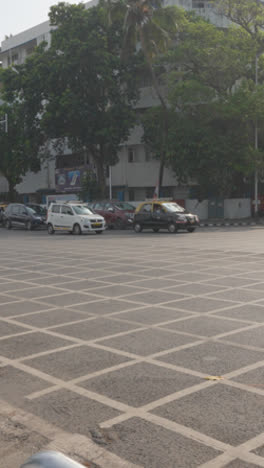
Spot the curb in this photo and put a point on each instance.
(230, 223)
(78, 447)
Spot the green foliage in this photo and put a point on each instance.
(89, 190)
(19, 147)
(214, 105)
(78, 91)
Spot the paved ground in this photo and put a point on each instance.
(114, 337)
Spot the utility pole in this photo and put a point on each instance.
(256, 149)
(110, 183)
(5, 122)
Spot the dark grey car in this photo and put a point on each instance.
(18, 215)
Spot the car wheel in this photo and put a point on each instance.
(191, 229)
(77, 230)
(8, 224)
(50, 229)
(172, 228)
(155, 229)
(29, 226)
(137, 227)
(99, 232)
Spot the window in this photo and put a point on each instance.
(146, 208)
(15, 209)
(199, 3)
(56, 209)
(150, 192)
(14, 58)
(158, 208)
(30, 50)
(66, 210)
(82, 210)
(70, 160)
(131, 155)
(148, 155)
(23, 210)
(131, 194)
(166, 192)
(98, 206)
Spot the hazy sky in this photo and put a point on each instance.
(18, 15)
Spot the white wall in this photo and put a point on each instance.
(3, 184)
(45, 178)
(237, 208)
(141, 173)
(198, 208)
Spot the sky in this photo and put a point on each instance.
(18, 15)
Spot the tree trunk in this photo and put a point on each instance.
(100, 178)
(163, 103)
(11, 191)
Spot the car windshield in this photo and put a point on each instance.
(173, 207)
(82, 210)
(31, 211)
(39, 209)
(124, 206)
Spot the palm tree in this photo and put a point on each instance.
(151, 27)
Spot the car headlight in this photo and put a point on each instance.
(181, 217)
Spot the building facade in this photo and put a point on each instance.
(134, 177)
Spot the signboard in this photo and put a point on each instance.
(68, 180)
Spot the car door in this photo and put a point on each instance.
(23, 216)
(144, 215)
(54, 216)
(67, 217)
(14, 215)
(159, 216)
(109, 213)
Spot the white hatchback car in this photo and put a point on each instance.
(74, 218)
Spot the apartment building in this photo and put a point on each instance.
(134, 177)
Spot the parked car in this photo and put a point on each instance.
(168, 215)
(118, 214)
(3, 206)
(75, 218)
(18, 215)
(40, 210)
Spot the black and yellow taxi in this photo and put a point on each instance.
(162, 214)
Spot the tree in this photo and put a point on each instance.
(18, 147)
(88, 91)
(210, 143)
(213, 104)
(78, 90)
(249, 16)
(89, 189)
(152, 26)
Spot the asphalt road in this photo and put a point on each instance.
(151, 345)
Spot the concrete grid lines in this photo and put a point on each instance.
(135, 356)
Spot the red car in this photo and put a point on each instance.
(118, 214)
